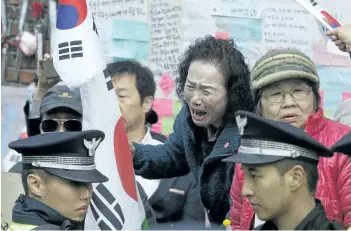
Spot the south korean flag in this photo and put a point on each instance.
(74, 43)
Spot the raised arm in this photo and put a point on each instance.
(165, 160)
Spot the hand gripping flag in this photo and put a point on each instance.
(116, 204)
(326, 23)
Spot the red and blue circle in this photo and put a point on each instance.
(71, 13)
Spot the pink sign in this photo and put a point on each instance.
(346, 95)
(166, 84)
(320, 55)
(222, 35)
(163, 107)
(321, 93)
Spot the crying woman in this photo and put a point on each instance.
(213, 83)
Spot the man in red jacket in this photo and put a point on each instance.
(280, 165)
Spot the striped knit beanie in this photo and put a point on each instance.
(283, 64)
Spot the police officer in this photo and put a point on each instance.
(58, 170)
(344, 146)
(280, 165)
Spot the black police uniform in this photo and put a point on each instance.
(265, 141)
(69, 155)
(343, 146)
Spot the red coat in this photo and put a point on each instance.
(334, 184)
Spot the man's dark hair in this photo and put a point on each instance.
(145, 83)
(310, 169)
(231, 62)
(26, 172)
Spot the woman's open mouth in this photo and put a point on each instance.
(198, 115)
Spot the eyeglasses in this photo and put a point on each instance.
(53, 125)
(297, 93)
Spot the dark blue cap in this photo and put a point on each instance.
(61, 96)
(265, 141)
(69, 155)
(343, 145)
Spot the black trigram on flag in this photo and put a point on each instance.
(94, 27)
(70, 50)
(103, 208)
(108, 78)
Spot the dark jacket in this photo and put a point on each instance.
(32, 127)
(315, 220)
(33, 212)
(181, 154)
(177, 202)
(32, 124)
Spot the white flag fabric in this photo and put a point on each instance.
(116, 204)
(76, 45)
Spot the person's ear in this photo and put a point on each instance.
(147, 104)
(36, 184)
(295, 177)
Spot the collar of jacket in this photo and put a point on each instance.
(316, 122)
(31, 211)
(227, 142)
(315, 220)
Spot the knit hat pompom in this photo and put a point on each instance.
(283, 64)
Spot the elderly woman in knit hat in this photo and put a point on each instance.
(285, 84)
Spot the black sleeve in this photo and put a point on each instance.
(158, 137)
(193, 208)
(32, 124)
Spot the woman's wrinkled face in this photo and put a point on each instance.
(206, 94)
(290, 101)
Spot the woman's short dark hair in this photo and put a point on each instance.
(225, 54)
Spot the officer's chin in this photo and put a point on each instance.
(78, 217)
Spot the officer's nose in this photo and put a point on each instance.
(86, 191)
(247, 190)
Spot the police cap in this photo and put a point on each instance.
(343, 145)
(69, 155)
(265, 141)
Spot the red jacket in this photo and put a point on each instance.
(334, 184)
